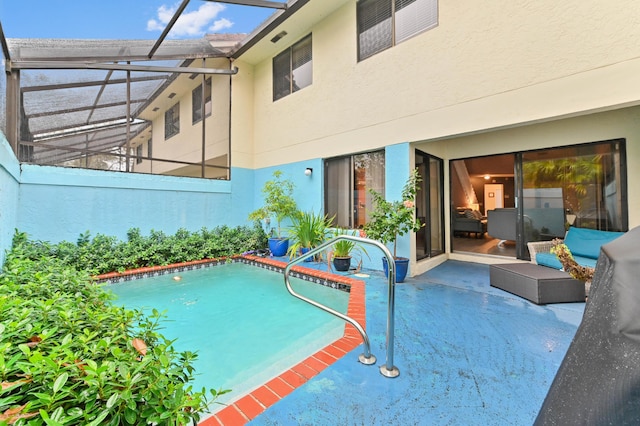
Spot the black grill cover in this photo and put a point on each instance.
(598, 382)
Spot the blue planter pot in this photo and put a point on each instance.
(402, 266)
(278, 246)
(304, 250)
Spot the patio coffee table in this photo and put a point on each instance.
(536, 283)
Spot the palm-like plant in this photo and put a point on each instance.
(344, 248)
(308, 230)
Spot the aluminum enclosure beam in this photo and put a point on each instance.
(168, 28)
(36, 65)
(257, 3)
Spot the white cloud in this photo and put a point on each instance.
(191, 23)
(219, 25)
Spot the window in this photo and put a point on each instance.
(347, 182)
(172, 121)
(293, 69)
(149, 148)
(196, 101)
(385, 23)
(139, 154)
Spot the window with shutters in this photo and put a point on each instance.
(293, 69)
(385, 23)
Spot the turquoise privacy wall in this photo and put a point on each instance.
(61, 203)
(308, 190)
(56, 204)
(9, 188)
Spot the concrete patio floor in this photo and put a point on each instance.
(468, 354)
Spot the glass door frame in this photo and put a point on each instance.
(426, 186)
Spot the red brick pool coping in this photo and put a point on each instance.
(247, 407)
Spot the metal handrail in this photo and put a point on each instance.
(388, 369)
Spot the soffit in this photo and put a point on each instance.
(296, 25)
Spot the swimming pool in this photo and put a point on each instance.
(240, 319)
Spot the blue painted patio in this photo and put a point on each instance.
(468, 354)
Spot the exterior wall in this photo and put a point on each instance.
(308, 190)
(484, 67)
(242, 116)
(187, 144)
(488, 79)
(59, 204)
(9, 186)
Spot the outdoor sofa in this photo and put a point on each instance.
(584, 245)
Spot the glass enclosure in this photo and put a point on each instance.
(101, 106)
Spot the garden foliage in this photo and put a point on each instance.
(66, 352)
(102, 254)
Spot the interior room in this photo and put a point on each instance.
(480, 185)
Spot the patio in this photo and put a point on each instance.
(467, 354)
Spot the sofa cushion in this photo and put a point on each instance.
(587, 242)
(551, 260)
(548, 259)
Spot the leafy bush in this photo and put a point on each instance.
(102, 254)
(66, 353)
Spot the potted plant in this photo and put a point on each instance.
(309, 230)
(391, 219)
(278, 202)
(343, 250)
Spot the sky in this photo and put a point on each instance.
(124, 19)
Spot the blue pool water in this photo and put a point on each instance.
(240, 319)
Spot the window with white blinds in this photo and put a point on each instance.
(293, 69)
(385, 23)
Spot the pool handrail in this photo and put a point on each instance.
(367, 358)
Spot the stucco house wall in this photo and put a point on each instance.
(483, 67)
(489, 79)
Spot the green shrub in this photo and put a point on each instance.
(66, 354)
(102, 254)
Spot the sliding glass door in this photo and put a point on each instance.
(429, 206)
(536, 196)
(581, 185)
